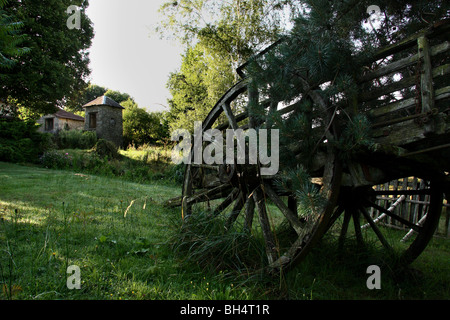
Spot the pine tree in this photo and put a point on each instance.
(325, 52)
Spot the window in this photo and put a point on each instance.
(92, 120)
(112, 122)
(49, 124)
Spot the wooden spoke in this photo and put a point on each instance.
(401, 192)
(292, 205)
(240, 202)
(377, 231)
(390, 214)
(249, 213)
(290, 216)
(208, 195)
(356, 223)
(228, 200)
(258, 196)
(232, 120)
(347, 216)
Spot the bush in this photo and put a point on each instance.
(105, 148)
(75, 139)
(20, 142)
(53, 159)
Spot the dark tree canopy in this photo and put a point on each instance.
(56, 67)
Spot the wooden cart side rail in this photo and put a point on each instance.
(437, 29)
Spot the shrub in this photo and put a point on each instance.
(20, 142)
(75, 139)
(105, 148)
(53, 159)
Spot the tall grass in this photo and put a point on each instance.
(203, 240)
(129, 246)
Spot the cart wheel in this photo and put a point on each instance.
(389, 225)
(237, 192)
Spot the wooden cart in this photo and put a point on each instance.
(410, 152)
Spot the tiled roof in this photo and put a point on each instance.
(67, 115)
(103, 101)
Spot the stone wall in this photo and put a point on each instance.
(60, 124)
(109, 123)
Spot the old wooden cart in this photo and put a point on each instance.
(410, 152)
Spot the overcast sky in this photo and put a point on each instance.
(127, 55)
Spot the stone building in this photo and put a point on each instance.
(104, 116)
(60, 120)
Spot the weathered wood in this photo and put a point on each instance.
(433, 31)
(393, 216)
(238, 205)
(410, 233)
(376, 230)
(290, 216)
(440, 94)
(225, 203)
(249, 213)
(229, 96)
(387, 89)
(271, 247)
(426, 80)
(383, 215)
(402, 63)
(403, 133)
(207, 195)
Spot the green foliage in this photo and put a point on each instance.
(105, 148)
(325, 52)
(75, 139)
(203, 240)
(55, 69)
(117, 96)
(141, 127)
(78, 219)
(85, 95)
(219, 36)
(192, 99)
(10, 39)
(53, 159)
(20, 142)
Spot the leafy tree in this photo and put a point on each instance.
(93, 91)
(142, 127)
(10, 39)
(83, 96)
(117, 96)
(219, 36)
(189, 90)
(57, 64)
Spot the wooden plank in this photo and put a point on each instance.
(402, 63)
(387, 89)
(399, 134)
(426, 80)
(439, 28)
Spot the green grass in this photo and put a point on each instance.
(122, 237)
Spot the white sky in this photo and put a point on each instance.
(127, 55)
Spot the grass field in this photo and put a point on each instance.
(120, 236)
